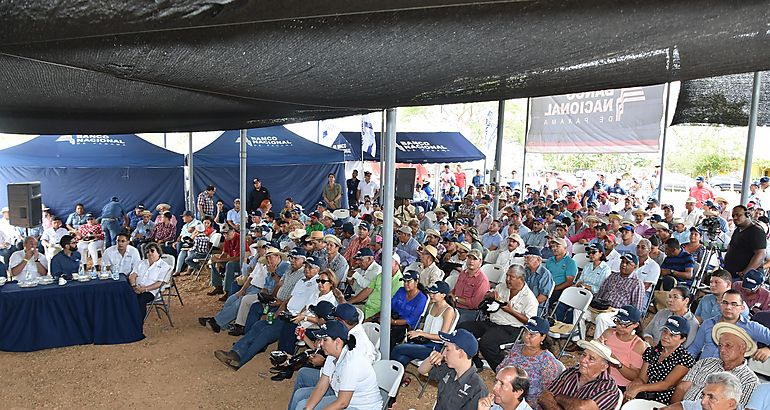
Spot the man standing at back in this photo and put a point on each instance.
(460, 179)
(367, 187)
(205, 203)
(113, 220)
(746, 250)
(352, 189)
(257, 195)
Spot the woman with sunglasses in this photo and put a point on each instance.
(627, 345)
(596, 271)
(677, 304)
(664, 365)
(440, 317)
(534, 356)
(149, 276)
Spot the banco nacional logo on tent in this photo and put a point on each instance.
(271, 140)
(91, 140)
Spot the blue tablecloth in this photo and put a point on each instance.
(46, 316)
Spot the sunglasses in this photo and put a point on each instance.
(323, 281)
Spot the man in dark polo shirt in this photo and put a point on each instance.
(67, 261)
(746, 250)
(459, 386)
(678, 263)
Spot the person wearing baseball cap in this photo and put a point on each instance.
(357, 242)
(407, 306)
(439, 318)
(735, 345)
(459, 385)
(756, 296)
(537, 236)
(350, 376)
(365, 273)
(471, 286)
(665, 364)
(407, 247)
(587, 384)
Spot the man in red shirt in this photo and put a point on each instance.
(460, 179)
(471, 287)
(701, 192)
(230, 258)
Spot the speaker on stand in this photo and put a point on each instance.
(25, 203)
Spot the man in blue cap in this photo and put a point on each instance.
(113, 220)
(756, 296)
(459, 386)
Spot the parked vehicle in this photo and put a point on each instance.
(726, 183)
(677, 182)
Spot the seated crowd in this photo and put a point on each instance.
(469, 291)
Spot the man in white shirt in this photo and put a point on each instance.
(647, 270)
(234, 215)
(360, 278)
(513, 247)
(28, 263)
(367, 187)
(122, 257)
(51, 237)
(504, 324)
(691, 214)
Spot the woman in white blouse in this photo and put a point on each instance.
(149, 276)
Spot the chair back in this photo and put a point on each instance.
(451, 280)
(639, 404)
(341, 214)
(491, 256)
(576, 298)
(495, 273)
(169, 259)
(389, 374)
(216, 240)
(560, 367)
(518, 260)
(372, 331)
(760, 368)
(578, 248)
(431, 216)
(414, 266)
(581, 260)
(360, 315)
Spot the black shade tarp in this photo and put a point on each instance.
(111, 67)
(722, 100)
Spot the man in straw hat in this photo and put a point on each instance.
(734, 346)
(587, 385)
(430, 272)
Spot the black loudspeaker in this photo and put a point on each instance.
(405, 178)
(25, 203)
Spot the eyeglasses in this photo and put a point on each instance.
(152, 250)
(323, 281)
(731, 304)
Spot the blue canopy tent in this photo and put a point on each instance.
(91, 169)
(413, 147)
(287, 164)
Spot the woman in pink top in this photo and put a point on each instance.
(627, 345)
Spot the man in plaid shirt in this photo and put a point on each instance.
(206, 202)
(164, 234)
(201, 246)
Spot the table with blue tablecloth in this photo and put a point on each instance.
(77, 313)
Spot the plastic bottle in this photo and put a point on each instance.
(270, 318)
(82, 271)
(265, 309)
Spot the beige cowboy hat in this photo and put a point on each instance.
(162, 206)
(316, 235)
(431, 250)
(599, 348)
(271, 251)
(724, 327)
(296, 234)
(333, 239)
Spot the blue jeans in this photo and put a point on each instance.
(230, 269)
(307, 378)
(325, 401)
(190, 256)
(467, 315)
(287, 341)
(257, 339)
(111, 229)
(230, 309)
(406, 352)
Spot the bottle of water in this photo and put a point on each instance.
(82, 271)
(93, 273)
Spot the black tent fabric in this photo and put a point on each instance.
(722, 100)
(110, 67)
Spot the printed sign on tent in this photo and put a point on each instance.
(616, 120)
(91, 139)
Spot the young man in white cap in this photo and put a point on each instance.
(587, 385)
(459, 385)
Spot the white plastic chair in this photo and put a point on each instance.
(341, 214)
(518, 260)
(360, 315)
(760, 368)
(495, 273)
(620, 400)
(432, 216)
(451, 280)
(414, 266)
(578, 299)
(389, 374)
(160, 303)
(581, 260)
(639, 404)
(372, 331)
(491, 257)
(578, 248)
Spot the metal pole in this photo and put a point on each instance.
(242, 190)
(524, 158)
(388, 194)
(750, 140)
(496, 174)
(318, 131)
(190, 169)
(663, 144)
(382, 154)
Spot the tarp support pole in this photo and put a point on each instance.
(388, 193)
(663, 144)
(242, 190)
(385, 126)
(496, 173)
(756, 88)
(524, 157)
(190, 186)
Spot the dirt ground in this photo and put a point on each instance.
(173, 367)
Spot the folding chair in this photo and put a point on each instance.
(578, 299)
(160, 302)
(216, 241)
(414, 266)
(173, 290)
(495, 273)
(372, 331)
(389, 374)
(431, 216)
(581, 260)
(360, 315)
(518, 260)
(491, 257)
